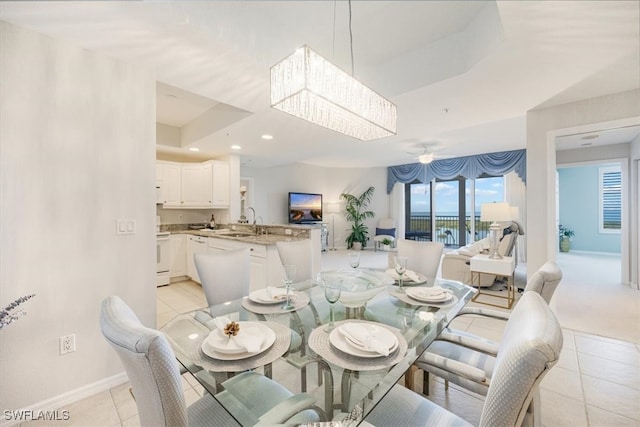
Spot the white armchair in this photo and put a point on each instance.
(456, 264)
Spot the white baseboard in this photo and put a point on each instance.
(65, 399)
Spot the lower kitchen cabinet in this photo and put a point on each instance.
(195, 244)
(178, 255)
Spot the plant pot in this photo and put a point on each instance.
(565, 244)
(357, 246)
(386, 247)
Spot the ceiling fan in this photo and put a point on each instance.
(426, 155)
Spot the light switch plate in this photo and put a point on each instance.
(126, 226)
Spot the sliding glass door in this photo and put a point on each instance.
(448, 211)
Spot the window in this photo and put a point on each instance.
(610, 196)
(446, 208)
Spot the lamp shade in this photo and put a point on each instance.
(495, 212)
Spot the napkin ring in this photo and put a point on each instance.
(232, 329)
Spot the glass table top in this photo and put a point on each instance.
(345, 380)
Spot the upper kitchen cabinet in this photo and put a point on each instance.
(194, 185)
(171, 185)
(221, 193)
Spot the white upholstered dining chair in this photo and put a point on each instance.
(151, 366)
(530, 348)
(423, 257)
(298, 253)
(468, 359)
(225, 275)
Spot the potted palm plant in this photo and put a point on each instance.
(565, 234)
(356, 212)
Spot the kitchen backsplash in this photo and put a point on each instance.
(191, 216)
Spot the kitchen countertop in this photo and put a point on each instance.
(242, 236)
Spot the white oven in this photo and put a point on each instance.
(163, 258)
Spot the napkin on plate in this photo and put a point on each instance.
(408, 275)
(278, 294)
(249, 337)
(433, 294)
(364, 336)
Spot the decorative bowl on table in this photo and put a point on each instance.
(359, 286)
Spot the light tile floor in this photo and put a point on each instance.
(595, 383)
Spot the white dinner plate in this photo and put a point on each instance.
(435, 294)
(261, 296)
(385, 336)
(218, 346)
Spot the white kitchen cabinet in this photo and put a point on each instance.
(195, 244)
(194, 185)
(178, 255)
(220, 184)
(171, 185)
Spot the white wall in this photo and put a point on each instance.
(273, 184)
(542, 128)
(634, 204)
(77, 151)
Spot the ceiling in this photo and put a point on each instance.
(462, 73)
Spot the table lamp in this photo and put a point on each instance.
(333, 208)
(496, 213)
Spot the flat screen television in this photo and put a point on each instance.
(305, 208)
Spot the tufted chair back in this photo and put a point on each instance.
(149, 362)
(423, 257)
(545, 280)
(225, 275)
(530, 347)
(298, 253)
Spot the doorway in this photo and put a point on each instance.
(600, 143)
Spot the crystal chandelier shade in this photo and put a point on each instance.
(306, 85)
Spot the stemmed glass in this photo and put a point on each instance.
(354, 259)
(401, 268)
(332, 291)
(289, 277)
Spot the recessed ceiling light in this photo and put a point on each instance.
(265, 136)
(194, 149)
(236, 147)
(592, 136)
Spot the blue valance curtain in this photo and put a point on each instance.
(470, 167)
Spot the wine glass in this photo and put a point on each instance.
(332, 291)
(401, 268)
(354, 259)
(289, 277)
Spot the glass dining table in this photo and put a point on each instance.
(345, 377)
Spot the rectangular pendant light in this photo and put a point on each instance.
(308, 86)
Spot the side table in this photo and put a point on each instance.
(482, 264)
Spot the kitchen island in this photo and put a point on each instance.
(266, 267)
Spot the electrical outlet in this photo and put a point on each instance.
(67, 344)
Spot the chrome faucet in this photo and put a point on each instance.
(254, 214)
